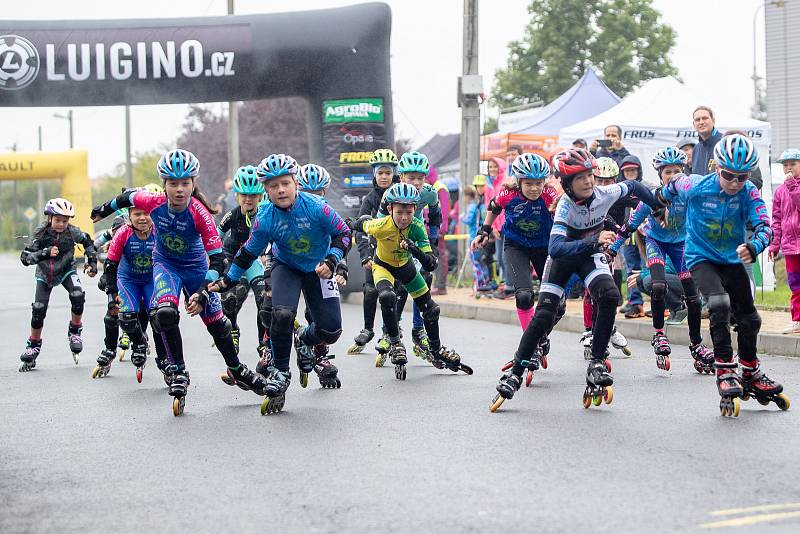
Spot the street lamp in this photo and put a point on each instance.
(67, 117)
(756, 110)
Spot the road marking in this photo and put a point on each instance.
(749, 509)
(750, 520)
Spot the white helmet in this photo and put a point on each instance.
(59, 206)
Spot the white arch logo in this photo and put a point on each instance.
(19, 62)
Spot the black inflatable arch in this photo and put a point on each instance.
(336, 59)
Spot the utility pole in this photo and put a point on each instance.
(128, 169)
(470, 87)
(68, 117)
(233, 126)
(40, 186)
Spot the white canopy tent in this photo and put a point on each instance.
(659, 114)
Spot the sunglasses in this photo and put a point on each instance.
(731, 176)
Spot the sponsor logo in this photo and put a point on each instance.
(639, 134)
(353, 110)
(19, 62)
(354, 157)
(16, 166)
(355, 137)
(358, 180)
(351, 201)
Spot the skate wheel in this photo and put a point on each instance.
(745, 397)
(121, 354)
(96, 372)
(666, 364)
(76, 357)
(783, 401)
(507, 366)
(528, 378)
(597, 399)
(496, 403)
(466, 368)
(355, 349)
(762, 402)
(177, 406)
(379, 360)
(303, 379)
(698, 367)
(139, 374)
(228, 379)
(587, 400)
(272, 405)
(626, 351)
(608, 396)
(544, 362)
(607, 363)
(400, 372)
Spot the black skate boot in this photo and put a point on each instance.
(28, 358)
(245, 379)
(598, 384)
(277, 384)
(662, 349)
(163, 366)
(422, 346)
(360, 341)
(508, 385)
(326, 371)
(103, 363)
(139, 358)
(75, 342)
(703, 358)
(178, 387)
(442, 358)
(264, 360)
(758, 385)
(305, 356)
(397, 353)
(123, 344)
(729, 387)
(544, 350)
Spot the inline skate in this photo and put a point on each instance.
(264, 360)
(277, 384)
(598, 384)
(75, 342)
(245, 379)
(397, 353)
(445, 358)
(360, 341)
(178, 387)
(762, 388)
(103, 363)
(326, 371)
(703, 358)
(123, 344)
(28, 358)
(422, 346)
(508, 385)
(306, 359)
(729, 387)
(662, 349)
(139, 358)
(620, 342)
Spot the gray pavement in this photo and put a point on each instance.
(83, 455)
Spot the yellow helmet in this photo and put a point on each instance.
(479, 179)
(606, 168)
(153, 188)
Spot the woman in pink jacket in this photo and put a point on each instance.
(495, 179)
(786, 229)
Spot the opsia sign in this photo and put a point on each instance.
(186, 52)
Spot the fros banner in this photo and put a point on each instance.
(352, 129)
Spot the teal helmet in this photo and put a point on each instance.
(313, 178)
(245, 181)
(414, 162)
(402, 194)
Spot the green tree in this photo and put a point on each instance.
(624, 40)
(489, 125)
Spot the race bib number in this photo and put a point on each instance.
(330, 289)
(76, 280)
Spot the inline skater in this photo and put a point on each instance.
(188, 253)
(308, 239)
(577, 245)
(384, 173)
(526, 232)
(662, 242)
(414, 168)
(112, 340)
(718, 207)
(234, 227)
(51, 248)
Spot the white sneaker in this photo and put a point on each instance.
(794, 328)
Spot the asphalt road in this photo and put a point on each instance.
(379, 455)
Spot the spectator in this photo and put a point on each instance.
(708, 137)
(688, 147)
(674, 296)
(579, 143)
(616, 151)
(225, 201)
(786, 228)
(440, 282)
(473, 219)
(632, 170)
(497, 175)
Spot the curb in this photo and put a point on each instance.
(774, 344)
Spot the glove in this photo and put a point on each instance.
(331, 261)
(341, 270)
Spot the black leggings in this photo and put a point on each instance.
(595, 273)
(726, 290)
(370, 300)
(519, 261)
(77, 298)
(658, 295)
(287, 284)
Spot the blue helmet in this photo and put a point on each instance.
(245, 181)
(530, 166)
(314, 178)
(178, 164)
(737, 153)
(276, 165)
(414, 162)
(401, 194)
(790, 154)
(668, 156)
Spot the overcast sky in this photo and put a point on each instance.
(713, 54)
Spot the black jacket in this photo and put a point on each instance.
(703, 153)
(53, 271)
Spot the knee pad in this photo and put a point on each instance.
(430, 313)
(719, 308)
(111, 321)
(129, 321)
(265, 315)
(219, 329)
(77, 298)
(370, 292)
(659, 290)
(607, 294)
(547, 309)
(283, 318)
(524, 298)
(750, 322)
(230, 306)
(164, 317)
(257, 284)
(38, 313)
(327, 336)
(388, 298)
